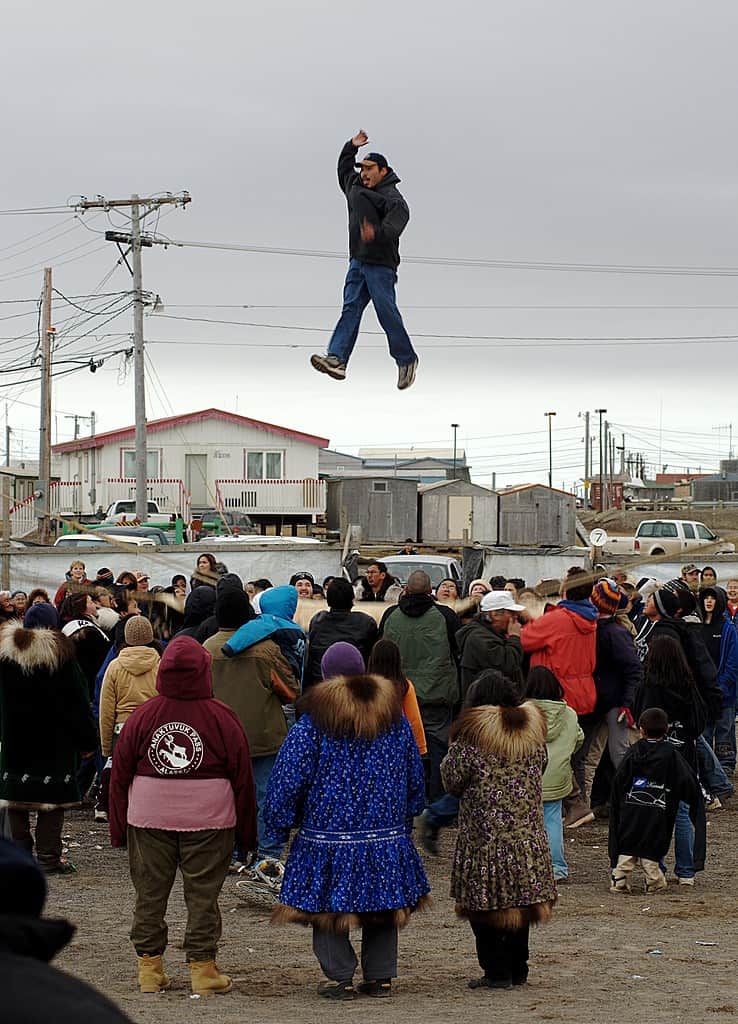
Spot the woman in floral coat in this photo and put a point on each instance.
(502, 878)
(349, 778)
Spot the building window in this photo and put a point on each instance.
(379, 486)
(152, 463)
(264, 466)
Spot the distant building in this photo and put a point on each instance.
(427, 465)
(721, 486)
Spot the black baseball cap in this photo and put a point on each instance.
(374, 158)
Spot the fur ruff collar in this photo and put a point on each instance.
(509, 733)
(33, 649)
(353, 707)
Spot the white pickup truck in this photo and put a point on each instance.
(124, 510)
(667, 537)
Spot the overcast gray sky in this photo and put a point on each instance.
(576, 132)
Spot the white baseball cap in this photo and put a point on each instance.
(500, 601)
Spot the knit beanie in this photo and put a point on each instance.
(479, 583)
(232, 607)
(667, 602)
(342, 659)
(22, 884)
(138, 631)
(607, 597)
(41, 616)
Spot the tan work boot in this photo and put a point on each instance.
(151, 976)
(207, 980)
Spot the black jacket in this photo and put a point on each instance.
(330, 627)
(685, 710)
(648, 785)
(34, 991)
(383, 206)
(618, 671)
(480, 647)
(689, 635)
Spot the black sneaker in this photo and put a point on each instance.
(343, 990)
(485, 982)
(331, 365)
(405, 375)
(381, 988)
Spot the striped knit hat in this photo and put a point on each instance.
(607, 597)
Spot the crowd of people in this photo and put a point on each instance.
(227, 726)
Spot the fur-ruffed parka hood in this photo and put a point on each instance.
(353, 707)
(34, 649)
(512, 733)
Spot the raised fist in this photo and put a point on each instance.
(361, 138)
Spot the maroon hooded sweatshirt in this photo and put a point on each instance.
(181, 762)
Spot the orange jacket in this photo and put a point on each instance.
(412, 713)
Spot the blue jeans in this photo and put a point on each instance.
(365, 281)
(554, 822)
(720, 736)
(443, 811)
(711, 773)
(683, 843)
(262, 768)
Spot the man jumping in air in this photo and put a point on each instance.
(377, 216)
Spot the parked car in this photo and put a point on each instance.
(77, 541)
(125, 509)
(223, 521)
(438, 567)
(672, 536)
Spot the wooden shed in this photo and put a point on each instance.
(533, 514)
(455, 511)
(385, 507)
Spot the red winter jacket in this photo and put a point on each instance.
(173, 752)
(564, 640)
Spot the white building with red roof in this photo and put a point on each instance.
(204, 459)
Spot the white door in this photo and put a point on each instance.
(459, 516)
(196, 480)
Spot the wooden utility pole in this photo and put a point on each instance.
(139, 367)
(44, 448)
(5, 519)
(135, 240)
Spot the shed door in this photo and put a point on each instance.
(380, 516)
(196, 479)
(459, 516)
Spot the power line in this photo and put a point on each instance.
(34, 210)
(450, 261)
(333, 305)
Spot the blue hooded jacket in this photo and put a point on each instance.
(278, 605)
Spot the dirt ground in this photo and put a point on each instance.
(626, 959)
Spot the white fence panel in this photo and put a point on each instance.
(281, 497)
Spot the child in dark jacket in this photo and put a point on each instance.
(652, 779)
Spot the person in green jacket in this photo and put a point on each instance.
(564, 736)
(425, 631)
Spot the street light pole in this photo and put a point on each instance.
(550, 416)
(455, 427)
(601, 413)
